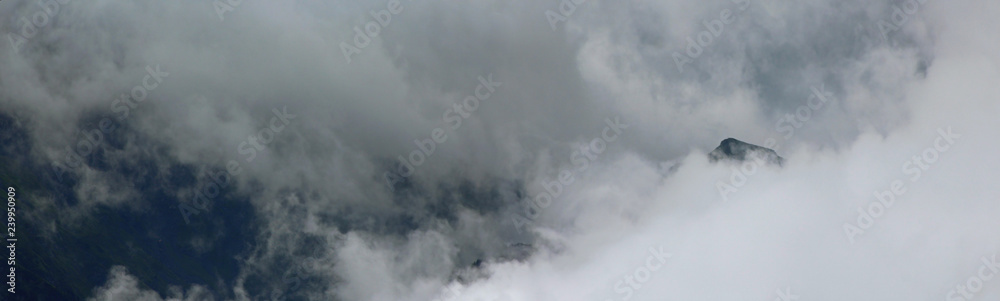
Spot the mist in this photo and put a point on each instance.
(517, 150)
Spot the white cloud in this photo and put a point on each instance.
(319, 191)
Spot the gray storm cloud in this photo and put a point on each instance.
(347, 212)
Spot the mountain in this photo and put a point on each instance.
(732, 149)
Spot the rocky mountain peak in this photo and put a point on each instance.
(733, 149)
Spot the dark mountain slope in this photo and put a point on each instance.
(732, 149)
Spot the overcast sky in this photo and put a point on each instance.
(503, 97)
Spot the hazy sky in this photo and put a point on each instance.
(858, 96)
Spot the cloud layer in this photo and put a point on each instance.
(410, 167)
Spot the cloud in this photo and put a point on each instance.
(320, 193)
(784, 227)
(123, 286)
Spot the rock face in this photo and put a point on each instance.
(732, 149)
